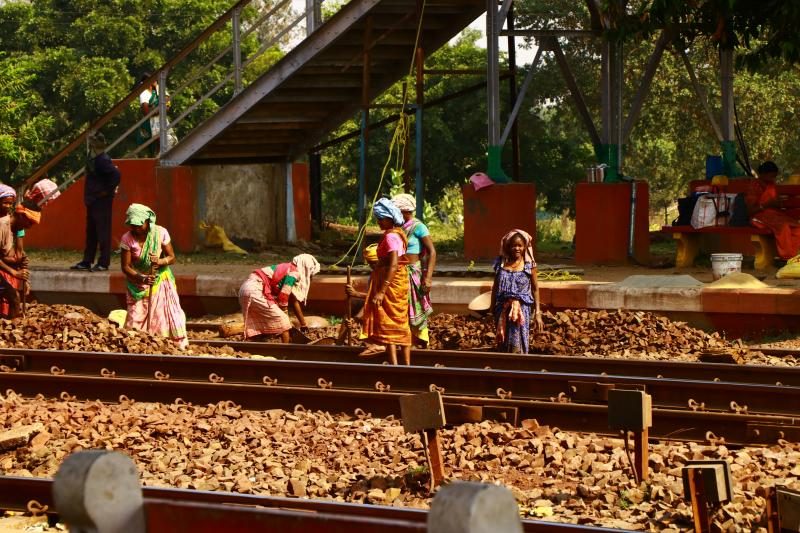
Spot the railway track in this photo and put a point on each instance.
(684, 424)
(770, 375)
(460, 382)
(193, 510)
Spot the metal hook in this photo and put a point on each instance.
(380, 387)
(268, 381)
(502, 393)
(324, 384)
(36, 508)
(738, 409)
(106, 373)
(214, 378)
(57, 371)
(160, 376)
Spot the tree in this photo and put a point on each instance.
(68, 62)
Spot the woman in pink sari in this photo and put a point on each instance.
(153, 303)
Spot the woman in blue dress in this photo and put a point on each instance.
(515, 292)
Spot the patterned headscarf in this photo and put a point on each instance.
(405, 202)
(138, 214)
(34, 216)
(307, 266)
(371, 253)
(43, 192)
(527, 255)
(384, 208)
(6, 191)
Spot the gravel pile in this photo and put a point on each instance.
(553, 474)
(71, 327)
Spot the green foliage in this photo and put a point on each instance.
(65, 63)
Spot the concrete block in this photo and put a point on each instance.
(99, 491)
(474, 508)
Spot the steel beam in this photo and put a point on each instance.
(492, 73)
(549, 33)
(420, 93)
(163, 124)
(237, 51)
(512, 95)
(726, 87)
(575, 91)
(647, 79)
(502, 15)
(512, 119)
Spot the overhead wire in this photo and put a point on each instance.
(398, 138)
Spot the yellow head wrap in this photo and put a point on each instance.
(371, 253)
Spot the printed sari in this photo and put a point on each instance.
(161, 303)
(388, 323)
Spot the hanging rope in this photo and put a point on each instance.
(396, 147)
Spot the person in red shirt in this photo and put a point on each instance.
(762, 192)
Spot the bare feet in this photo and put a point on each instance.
(372, 350)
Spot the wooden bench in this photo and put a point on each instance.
(689, 243)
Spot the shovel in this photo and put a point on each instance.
(298, 337)
(348, 335)
(150, 299)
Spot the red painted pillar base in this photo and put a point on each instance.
(491, 212)
(602, 223)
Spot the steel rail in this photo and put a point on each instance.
(532, 385)
(739, 428)
(768, 375)
(16, 492)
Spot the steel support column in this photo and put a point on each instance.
(611, 102)
(644, 86)
(237, 50)
(495, 149)
(162, 112)
(419, 188)
(364, 145)
(512, 93)
(312, 16)
(728, 144)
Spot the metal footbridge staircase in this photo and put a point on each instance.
(325, 78)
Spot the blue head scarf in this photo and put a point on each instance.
(384, 208)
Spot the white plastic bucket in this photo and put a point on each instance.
(722, 264)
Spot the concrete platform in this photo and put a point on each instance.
(736, 312)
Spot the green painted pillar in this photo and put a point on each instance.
(729, 164)
(495, 165)
(607, 154)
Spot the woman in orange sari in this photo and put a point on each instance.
(386, 306)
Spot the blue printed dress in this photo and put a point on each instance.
(514, 286)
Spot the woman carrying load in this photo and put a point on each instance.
(269, 292)
(153, 303)
(386, 306)
(514, 291)
(419, 244)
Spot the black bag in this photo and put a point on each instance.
(739, 216)
(685, 210)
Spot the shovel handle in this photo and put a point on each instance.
(349, 280)
(347, 338)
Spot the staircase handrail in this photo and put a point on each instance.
(122, 104)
